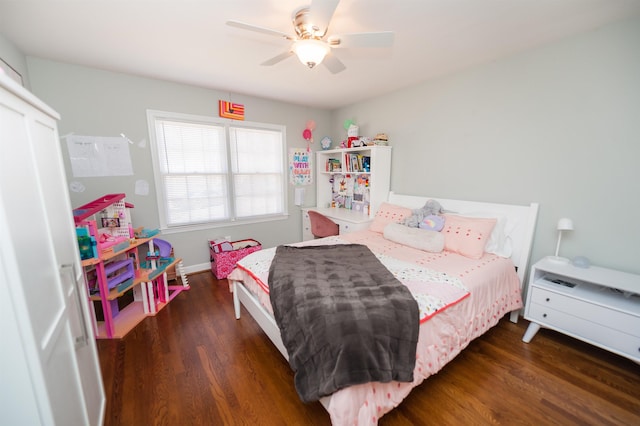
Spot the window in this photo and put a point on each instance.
(210, 171)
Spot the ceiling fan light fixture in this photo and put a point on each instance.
(311, 52)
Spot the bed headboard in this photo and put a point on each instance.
(523, 217)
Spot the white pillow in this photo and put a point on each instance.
(500, 242)
(421, 239)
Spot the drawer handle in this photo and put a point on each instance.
(548, 299)
(544, 315)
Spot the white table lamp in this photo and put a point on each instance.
(564, 224)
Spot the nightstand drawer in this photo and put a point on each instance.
(591, 312)
(595, 333)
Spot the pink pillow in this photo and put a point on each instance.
(467, 236)
(389, 213)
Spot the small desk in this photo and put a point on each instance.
(347, 220)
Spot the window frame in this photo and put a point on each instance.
(154, 115)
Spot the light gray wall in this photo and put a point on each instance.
(559, 125)
(101, 103)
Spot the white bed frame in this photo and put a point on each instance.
(524, 218)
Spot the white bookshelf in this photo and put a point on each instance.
(356, 213)
(378, 176)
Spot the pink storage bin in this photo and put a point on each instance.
(223, 262)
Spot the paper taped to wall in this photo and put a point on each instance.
(96, 156)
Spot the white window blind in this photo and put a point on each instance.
(209, 171)
(257, 167)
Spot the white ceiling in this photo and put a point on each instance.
(187, 41)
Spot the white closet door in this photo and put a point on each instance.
(39, 300)
(18, 403)
(50, 168)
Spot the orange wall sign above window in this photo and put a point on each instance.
(230, 110)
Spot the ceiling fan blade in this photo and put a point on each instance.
(320, 13)
(278, 58)
(333, 64)
(378, 39)
(258, 29)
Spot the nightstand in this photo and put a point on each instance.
(597, 305)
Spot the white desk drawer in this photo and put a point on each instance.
(591, 312)
(347, 220)
(346, 227)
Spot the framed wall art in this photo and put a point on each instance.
(231, 110)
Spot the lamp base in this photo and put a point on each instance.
(558, 259)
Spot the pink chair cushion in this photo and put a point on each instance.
(322, 226)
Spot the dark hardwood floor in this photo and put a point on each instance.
(194, 364)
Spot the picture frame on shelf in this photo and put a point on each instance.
(110, 222)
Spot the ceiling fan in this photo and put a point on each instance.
(310, 44)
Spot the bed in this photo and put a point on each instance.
(478, 292)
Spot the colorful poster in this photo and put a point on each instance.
(300, 171)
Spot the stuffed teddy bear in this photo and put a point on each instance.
(431, 207)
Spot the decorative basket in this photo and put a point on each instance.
(223, 262)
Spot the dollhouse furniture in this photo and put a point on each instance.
(351, 183)
(125, 263)
(597, 305)
(48, 361)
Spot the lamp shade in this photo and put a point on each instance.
(311, 52)
(565, 224)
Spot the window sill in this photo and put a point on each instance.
(215, 225)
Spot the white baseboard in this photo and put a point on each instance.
(197, 268)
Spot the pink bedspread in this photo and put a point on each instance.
(493, 290)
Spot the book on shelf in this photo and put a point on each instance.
(366, 163)
(333, 165)
(357, 163)
(353, 163)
